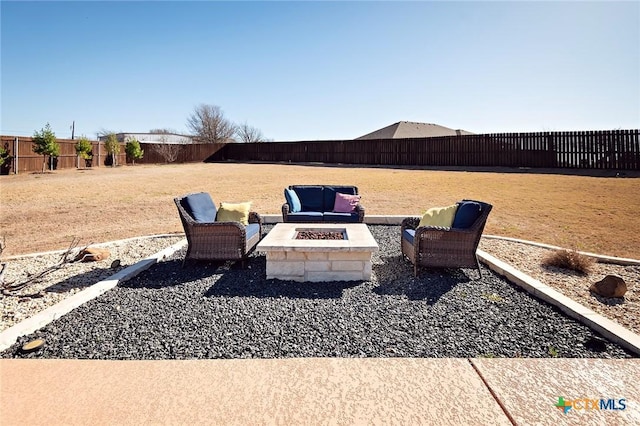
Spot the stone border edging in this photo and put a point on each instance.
(9, 336)
(599, 257)
(124, 240)
(608, 328)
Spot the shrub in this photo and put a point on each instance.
(4, 155)
(133, 150)
(112, 146)
(84, 149)
(45, 143)
(569, 259)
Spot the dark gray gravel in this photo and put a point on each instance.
(219, 311)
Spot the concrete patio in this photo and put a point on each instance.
(409, 391)
(452, 391)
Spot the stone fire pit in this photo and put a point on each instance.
(313, 252)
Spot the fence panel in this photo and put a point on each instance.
(616, 149)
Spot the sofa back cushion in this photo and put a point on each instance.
(200, 206)
(330, 195)
(293, 200)
(310, 197)
(466, 215)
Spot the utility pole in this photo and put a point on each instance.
(73, 129)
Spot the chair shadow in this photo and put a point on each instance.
(171, 273)
(395, 278)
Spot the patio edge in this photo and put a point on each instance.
(608, 328)
(9, 336)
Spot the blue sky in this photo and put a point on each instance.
(320, 70)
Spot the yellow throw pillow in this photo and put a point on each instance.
(439, 216)
(229, 212)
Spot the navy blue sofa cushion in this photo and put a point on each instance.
(466, 215)
(330, 195)
(252, 229)
(310, 198)
(305, 217)
(409, 235)
(201, 207)
(341, 217)
(293, 200)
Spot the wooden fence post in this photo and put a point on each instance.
(15, 155)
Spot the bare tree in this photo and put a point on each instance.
(163, 131)
(166, 150)
(209, 124)
(246, 133)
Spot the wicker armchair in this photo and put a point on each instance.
(433, 246)
(218, 240)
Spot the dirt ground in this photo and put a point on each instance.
(42, 212)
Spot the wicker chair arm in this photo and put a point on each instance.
(213, 225)
(255, 217)
(410, 223)
(453, 232)
(360, 209)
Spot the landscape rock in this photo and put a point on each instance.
(610, 286)
(92, 255)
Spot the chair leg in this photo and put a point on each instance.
(184, 262)
(479, 269)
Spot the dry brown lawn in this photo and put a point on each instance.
(45, 211)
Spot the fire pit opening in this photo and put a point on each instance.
(320, 234)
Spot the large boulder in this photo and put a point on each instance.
(610, 286)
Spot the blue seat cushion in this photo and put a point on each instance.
(341, 217)
(201, 207)
(466, 215)
(310, 197)
(293, 200)
(305, 217)
(252, 229)
(409, 234)
(330, 195)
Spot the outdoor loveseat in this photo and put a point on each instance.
(452, 246)
(228, 233)
(322, 203)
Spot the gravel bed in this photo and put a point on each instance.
(71, 277)
(212, 310)
(528, 259)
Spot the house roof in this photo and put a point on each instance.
(411, 129)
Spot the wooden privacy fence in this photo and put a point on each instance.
(615, 149)
(188, 153)
(23, 159)
(28, 161)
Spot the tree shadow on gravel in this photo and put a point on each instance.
(81, 281)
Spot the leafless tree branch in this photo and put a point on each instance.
(10, 288)
(208, 123)
(246, 133)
